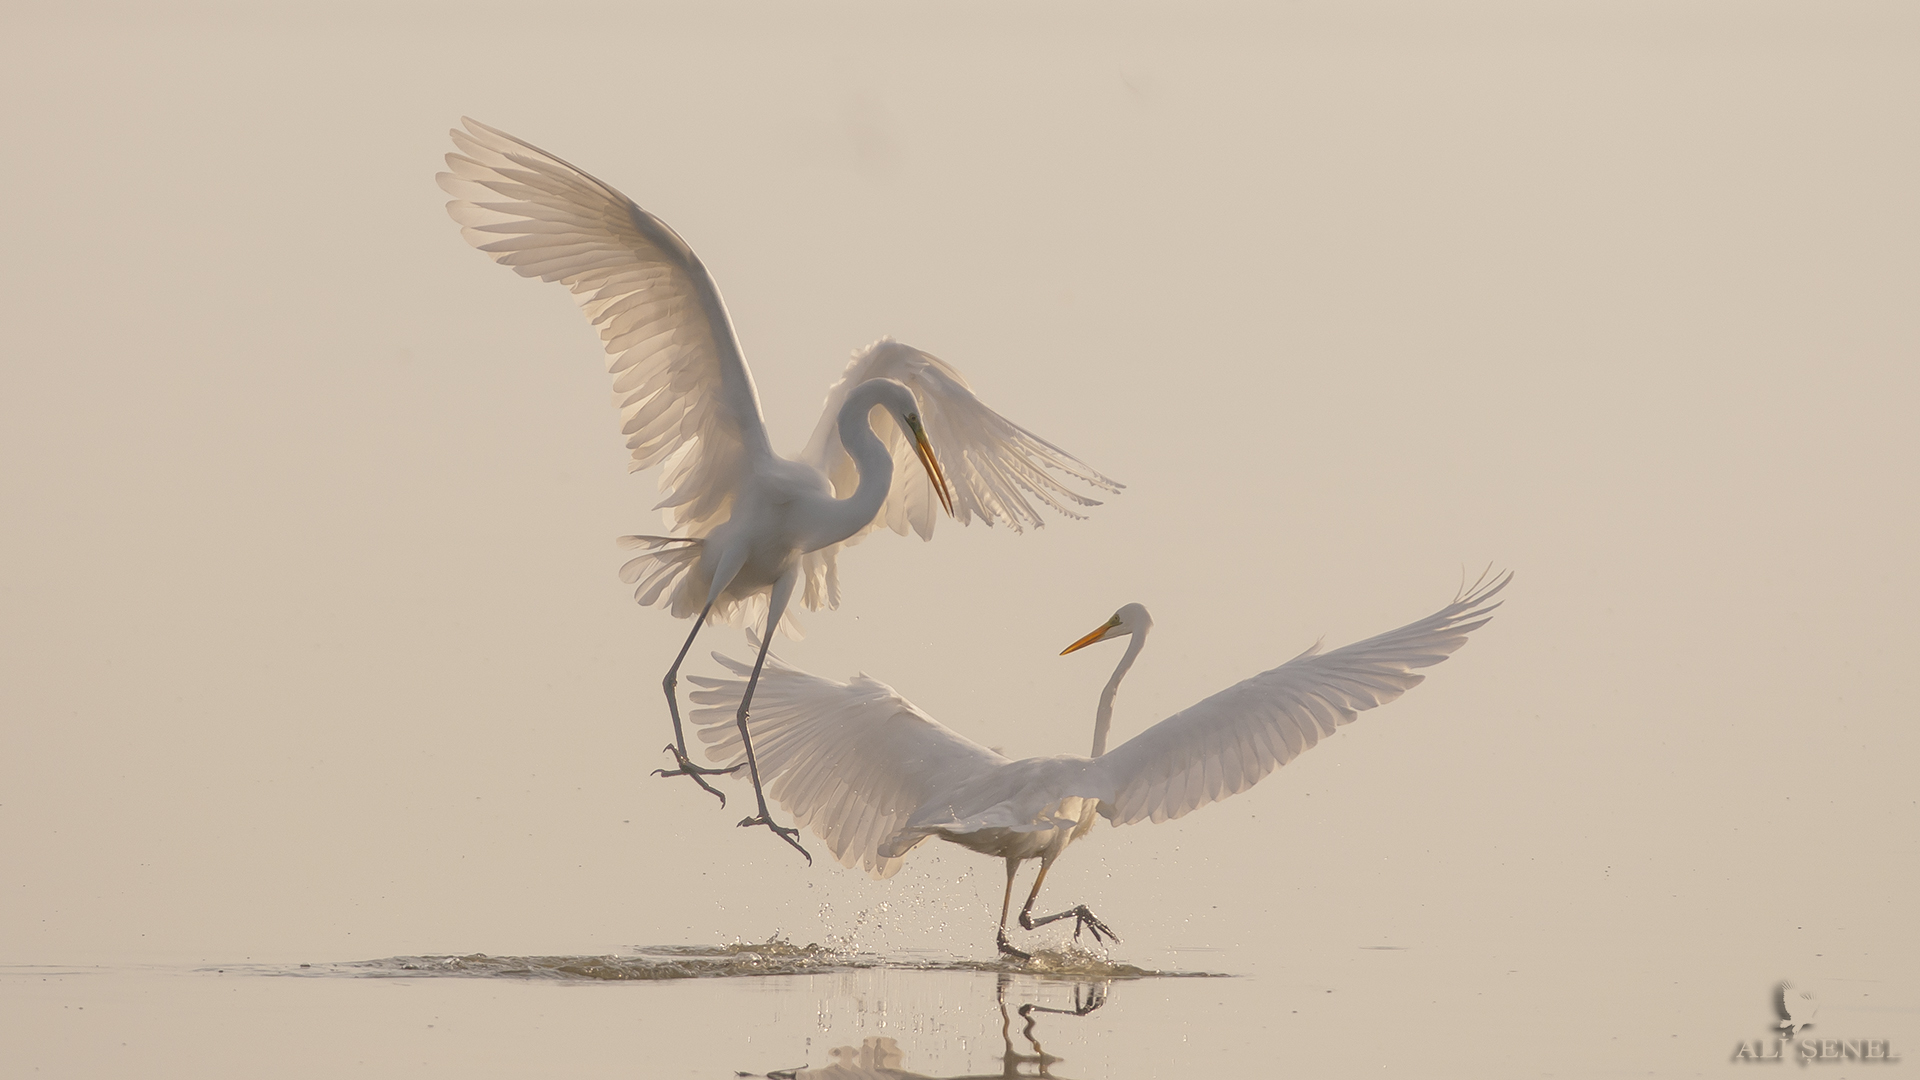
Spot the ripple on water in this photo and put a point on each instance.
(653, 963)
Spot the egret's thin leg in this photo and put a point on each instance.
(1006, 903)
(776, 606)
(678, 748)
(1083, 919)
(1010, 1061)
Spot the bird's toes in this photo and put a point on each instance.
(692, 772)
(1101, 931)
(791, 836)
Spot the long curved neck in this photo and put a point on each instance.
(844, 517)
(1103, 717)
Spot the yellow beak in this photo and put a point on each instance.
(1093, 637)
(932, 464)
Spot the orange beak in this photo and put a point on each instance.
(1093, 637)
(932, 464)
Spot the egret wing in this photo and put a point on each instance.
(683, 390)
(1230, 741)
(851, 760)
(998, 470)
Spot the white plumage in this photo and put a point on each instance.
(997, 469)
(748, 525)
(873, 776)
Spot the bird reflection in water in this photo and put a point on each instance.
(881, 1058)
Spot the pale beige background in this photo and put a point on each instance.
(314, 650)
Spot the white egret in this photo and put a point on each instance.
(874, 776)
(750, 525)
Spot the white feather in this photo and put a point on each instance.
(997, 469)
(684, 393)
(872, 775)
(687, 400)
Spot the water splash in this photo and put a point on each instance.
(663, 962)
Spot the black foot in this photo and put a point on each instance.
(1082, 920)
(1008, 950)
(791, 836)
(694, 772)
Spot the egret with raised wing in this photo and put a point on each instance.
(749, 525)
(873, 776)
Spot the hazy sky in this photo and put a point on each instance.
(314, 645)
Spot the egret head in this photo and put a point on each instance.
(1132, 619)
(900, 402)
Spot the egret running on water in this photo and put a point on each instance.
(874, 776)
(750, 525)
